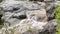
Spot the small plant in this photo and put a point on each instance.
(57, 16)
(57, 13)
(1, 26)
(30, 29)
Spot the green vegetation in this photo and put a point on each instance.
(31, 29)
(1, 24)
(1, 1)
(58, 30)
(57, 13)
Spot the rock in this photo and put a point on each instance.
(51, 27)
(13, 21)
(28, 5)
(25, 25)
(7, 18)
(38, 15)
(54, 21)
(49, 0)
(58, 2)
(26, 18)
(50, 11)
(0, 16)
(17, 10)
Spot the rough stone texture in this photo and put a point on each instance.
(17, 9)
(22, 17)
(38, 15)
(49, 10)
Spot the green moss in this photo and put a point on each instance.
(58, 30)
(57, 16)
(57, 13)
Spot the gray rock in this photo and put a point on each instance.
(49, 0)
(26, 18)
(7, 18)
(13, 21)
(18, 4)
(38, 15)
(16, 9)
(50, 10)
(49, 28)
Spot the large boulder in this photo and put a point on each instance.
(22, 17)
(17, 10)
